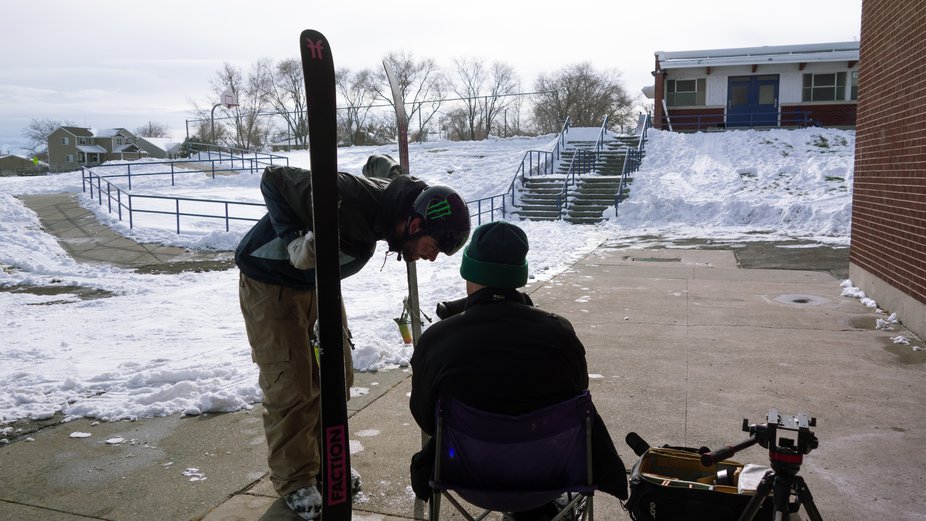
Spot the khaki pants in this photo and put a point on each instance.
(279, 322)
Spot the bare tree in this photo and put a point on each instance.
(582, 94)
(469, 78)
(285, 93)
(152, 129)
(455, 125)
(421, 85)
(503, 84)
(485, 93)
(37, 132)
(358, 92)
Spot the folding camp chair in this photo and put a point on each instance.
(503, 463)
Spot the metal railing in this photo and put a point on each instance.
(561, 142)
(99, 187)
(722, 121)
(258, 158)
(632, 160)
(604, 130)
(545, 161)
(222, 164)
(487, 206)
(583, 162)
(533, 163)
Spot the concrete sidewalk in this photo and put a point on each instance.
(682, 345)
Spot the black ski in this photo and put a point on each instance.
(318, 70)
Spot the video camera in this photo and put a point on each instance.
(787, 438)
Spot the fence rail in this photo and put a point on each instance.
(583, 162)
(633, 160)
(487, 206)
(118, 200)
(683, 122)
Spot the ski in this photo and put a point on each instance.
(402, 126)
(412, 306)
(321, 100)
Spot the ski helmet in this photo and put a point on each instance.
(444, 215)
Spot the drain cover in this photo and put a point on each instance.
(801, 300)
(654, 259)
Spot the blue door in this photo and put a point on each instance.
(752, 101)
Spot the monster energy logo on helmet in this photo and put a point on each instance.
(438, 209)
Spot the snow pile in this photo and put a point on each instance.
(795, 182)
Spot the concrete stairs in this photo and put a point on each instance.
(538, 201)
(592, 192)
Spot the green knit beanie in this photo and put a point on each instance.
(496, 256)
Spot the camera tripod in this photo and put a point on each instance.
(786, 455)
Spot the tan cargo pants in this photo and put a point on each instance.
(279, 322)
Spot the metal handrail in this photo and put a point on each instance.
(632, 161)
(561, 142)
(242, 153)
(582, 163)
(600, 141)
(544, 164)
(115, 194)
(724, 120)
(551, 157)
(250, 168)
(494, 203)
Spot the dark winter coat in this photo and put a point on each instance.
(368, 211)
(505, 356)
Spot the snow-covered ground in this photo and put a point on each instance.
(165, 344)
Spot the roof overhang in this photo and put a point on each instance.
(780, 54)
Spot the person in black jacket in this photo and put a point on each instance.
(277, 294)
(500, 354)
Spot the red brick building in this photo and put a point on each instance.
(888, 248)
(770, 86)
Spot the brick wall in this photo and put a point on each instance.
(889, 194)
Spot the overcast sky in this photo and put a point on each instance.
(110, 64)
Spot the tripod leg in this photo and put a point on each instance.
(805, 498)
(765, 486)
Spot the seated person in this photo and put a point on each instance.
(502, 355)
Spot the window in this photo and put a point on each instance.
(825, 87)
(69, 158)
(119, 141)
(853, 85)
(685, 92)
(65, 140)
(83, 141)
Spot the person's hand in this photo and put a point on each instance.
(302, 252)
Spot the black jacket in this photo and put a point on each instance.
(505, 356)
(368, 211)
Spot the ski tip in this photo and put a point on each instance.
(311, 33)
(314, 46)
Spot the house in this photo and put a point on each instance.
(160, 147)
(771, 86)
(69, 148)
(119, 143)
(18, 165)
